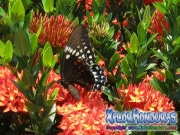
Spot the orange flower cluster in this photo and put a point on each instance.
(147, 2)
(55, 30)
(145, 97)
(85, 117)
(159, 25)
(11, 99)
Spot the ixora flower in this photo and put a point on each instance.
(147, 2)
(159, 25)
(99, 30)
(145, 97)
(11, 99)
(55, 29)
(86, 116)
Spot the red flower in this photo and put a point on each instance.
(145, 97)
(85, 117)
(146, 2)
(159, 25)
(88, 4)
(10, 97)
(55, 30)
(125, 23)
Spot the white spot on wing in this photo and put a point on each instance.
(70, 50)
(67, 56)
(97, 67)
(77, 54)
(83, 56)
(73, 52)
(91, 62)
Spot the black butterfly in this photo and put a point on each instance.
(78, 64)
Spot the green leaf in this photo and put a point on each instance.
(48, 5)
(177, 42)
(17, 12)
(49, 119)
(130, 60)
(21, 88)
(134, 43)
(175, 95)
(125, 67)
(147, 16)
(48, 85)
(26, 3)
(31, 107)
(34, 43)
(114, 61)
(175, 51)
(109, 93)
(28, 77)
(109, 17)
(2, 62)
(1, 49)
(96, 18)
(46, 125)
(39, 30)
(8, 51)
(160, 55)
(143, 48)
(141, 75)
(96, 41)
(27, 20)
(47, 55)
(22, 45)
(151, 39)
(2, 12)
(151, 65)
(76, 21)
(161, 7)
(127, 33)
(94, 6)
(169, 76)
(54, 94)
(141, 34)
(54, 60)
(111, 32)
(145, 56)
(176, 29)
(158, 85)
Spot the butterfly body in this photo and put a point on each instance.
(78, 64)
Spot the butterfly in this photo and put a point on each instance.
(78, 64)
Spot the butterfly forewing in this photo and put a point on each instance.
(78, 63)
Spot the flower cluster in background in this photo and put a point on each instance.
(159, 25)
(55, 29)
(146, 98)
(146, 2)
(11, 99)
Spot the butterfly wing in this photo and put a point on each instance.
(78, 63)
(74, 68)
